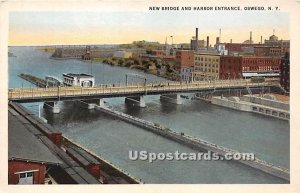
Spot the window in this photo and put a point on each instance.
(26, 177)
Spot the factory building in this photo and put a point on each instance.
(206, 66)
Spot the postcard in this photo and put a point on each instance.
(157, 96)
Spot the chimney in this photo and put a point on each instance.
(250, 37)
(207, 42)
(196, 42)
(231, 41)
(217, 40)
(260, 39)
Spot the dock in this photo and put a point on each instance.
(39, 82)
(249, 103)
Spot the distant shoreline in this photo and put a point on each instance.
(87, 61)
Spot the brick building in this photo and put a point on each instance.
(28, 158)
(260, 64)
(185, 58)
(159, 53)
(283, 44)
(285, 72)
(230, 67)
(240, 48)
(264, 50)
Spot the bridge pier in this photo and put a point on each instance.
(136, 100)
(53, 106)
(171, 98)
(91, 103)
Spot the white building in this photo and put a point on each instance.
(83, 80)
(186, 73)
(221, 49)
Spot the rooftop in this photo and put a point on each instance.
(23, 145)
(78, 75)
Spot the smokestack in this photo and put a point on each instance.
(260, 39)
(196, 42)
(250, 37)
(207, 42)
(220, 33)
(217, 40)
(231, 41)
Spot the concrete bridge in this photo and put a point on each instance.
(133, 93)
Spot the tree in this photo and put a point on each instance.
(137, 61)
(121, 62)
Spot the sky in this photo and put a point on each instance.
(63, 28)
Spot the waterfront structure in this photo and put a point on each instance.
(83, 80)
(206, 66)
(267, 105)
(200, 144)
(186, 60)
(230, 67)
(285, 72)
(29, 164)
